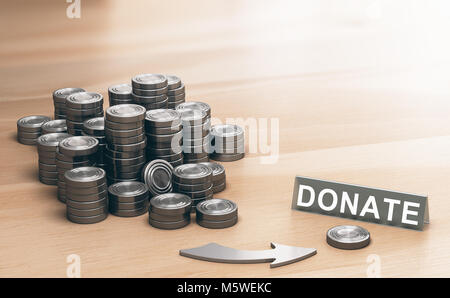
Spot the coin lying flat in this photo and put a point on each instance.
(50, 141)
(84, 100)
(227, 133)
(130, 191)
(216, 210)
(60, 95)
(85, 177)
(222, 224)
(86, 219)
(157, 174)
(152, 92)
(54, 126)
(218, 170)
(166, 225)
(227, 157)
(120, 91)
(128, 213)
(31, 123)
(192, 174)
(190, 117)
(87, 205)
(173, 82)
(348, 237)
(195, 105)
(126, 113)
(219, 187)
(169, 218)
(162, 118)
(78, 146)
(94, 126)
(170, 204)
(176, 91)
(149, 81)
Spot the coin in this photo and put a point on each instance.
(125, 140)
(150, 100)
(216, 210)
(86, 219)
(217, 224)
(162, 130)
(176, 137)
(227, 157)
(170, 204)
(123, 126)
(195, 105)
(48, 181)
(124, 161)
(60, 95)
(157, 174)
(125, 113)
(218, 170)
(87, 205)
(120, 91)
(86, 190)
(50, 141)
(31, 123)
(191, 117)
(151, 92)
(84, 100)
(54, 126)
(94, 126)
(176, 91)
(124, 155)
(71, 159)
(149, 81)
(198, 160)
(173, 82)
(180, 98)
(191, 187)
(169, 158)
(227, 132)
(114, 169)
(111, 180)
(128, 192)
(169, 218)
(128, 213)
(85, 177)
(78, 114)
(192, 174)
(86, 198)
(163, 151)
(219, 187)
(87, 212)
(47, 167)
(119, 206)
(169, 225)
(128, 148)
(162, 118)
(348, 237)
(77, 146)
(198, 194)
(124, 133)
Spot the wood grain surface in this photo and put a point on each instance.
(360, 90)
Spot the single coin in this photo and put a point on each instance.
(198, 194)
(176, 138)
(86, 190)
(176, 91)
(125, 113)
(170, 204)
(218, 170)
(195, 105)
(348, 237)
(171, 157)
(84, 100)
(120, 91)
(111, 180)
(87, 205)
(216, 210)
(150, 100)
(86, 198)
(195, 155)
(128, 148)
(149, 81)
(196, 149)
(47, 167)
(192, 174)
(28, 135)
(86, 219)
(175, 143)
(47, 174)
(125, 140)
(54, 126)
(173, 82)
(169, 218)
(74, 114)
(94, 126)
(78, 146)
(87, 212)
(179, 187)
(223, 224)
(152, 92)
(163, 130)
(226, 157)
(165, 151)
(124, 161)
(114, 169)
(157, 175)
(198, 160)
(50, 141)
(71, 159)
(177, 99)
(162, 118)
(48, 181)
(124, 133)
(31, 123)
(127, 192)
(119, 206)
(60, 95)
(191, 117)
(123, 126)
(168, 225)
(123, 155)
(219, 150)
(223, 133)
(219, 187)
(85, 177)
(128, 213)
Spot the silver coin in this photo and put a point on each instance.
(125, 113)
(31, 123)
(180, 187)
(348, 237)
(226, 133)
(28, 135)
(123, 126)
(124, 133)
(124, 155)
(54, 126)
(126, 140)
(149, 81)
(48, 181)
(165, 151)
(48, 154)
(173, 82)
(86, 190)
(219, 187)
(114, 169)
(165, 225)
(191, 117)
(159, 105)
(163, 130)
(168, 158)
(84, 100)
(176, 163)
(218, 170)
(223, 224)
(120, 162)
(177, 99)
(120, 91)
(113, 102)
(94, 126)
(86, 219)
(195, 105)
(152, 92)
(227, 157)
(175, 138)
(79, 145)
(170, 204)
(169, 218)
(50, 141)
(71, 159)
(176, 91)
(189, 150)
(148, 100)
(198, 194)
(85, 177)
(205, 141)
(162, 118)
(157, 174)
(160, 143)
(119, 206)
(228, 151)
(74, 114)
(192, 174)
(86, 198)
(199, 160)
(129, 213)
(87, 212)
(47, 167)
(216, 210)
(87, 205)
(128, 148)
(60, 95)
(130, 191)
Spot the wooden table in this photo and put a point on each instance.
(360, 90)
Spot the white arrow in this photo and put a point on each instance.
(280, 254)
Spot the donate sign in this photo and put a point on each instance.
(360, 203)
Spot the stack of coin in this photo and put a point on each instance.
(29, 129)
(126, 141)
(120, 94)
(219, 177)
(217, 214)
(80, 107)
(150, 91)
(59, 100)
(47, 145)
(175, 91)
(164, 136)
(170, 211)
(53, 126)
(195, 181)
(73, 152)
(87, 195)
(128, 199)
(227, 142)
(157, 175)
(196, 137)
(95, 127)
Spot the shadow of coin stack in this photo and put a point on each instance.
(195, 181)
(227, 143)
(128, 199)
(59, 100)
(73, 152)
(80, 107)
(150, 91)
(120, 94)
(87, 195)
(53, 126)
(164, 136)
(126, 141)
(176, 92)
(219, 177)
(95, 127)
(29, 129)
(170, 211)
(46, 146)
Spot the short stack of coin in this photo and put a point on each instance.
(80, 107)
(150, 91)
(87, 195)
(53, 126)
(195, 181)
(164, 136)
(59, 100)
(29, 129)
(228, 142)
(128, 199)
(120, 94)
(176, 92)
(219, 177)
(217, 214)
(170, 211)
(73, 152)
(126, 141)
(47, 145)
(157, 175)
(95, 127)
(196, 137)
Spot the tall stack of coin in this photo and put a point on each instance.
(170, 211)
(193, 180)
(217, 214)
(227, 142)
(150, 91)
(164, 136)
(73, 152)
(126, 141)
(195, 135)
(59, 100)
(175, 91)
(128, 199)
(80, 107)
(29, 129)
(95, 127)
(219, 177)
(47, 145)
(120, 94)
(87, 195)
(53, 126)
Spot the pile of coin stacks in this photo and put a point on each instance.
(53, 126)
(164, 136)
(80, 107)
(195, 135)
(219, 178)
(126, 141)
(120, 94)
(128, 199)
(227, 142)
(170, 211)
(59, 100)
(150, 91)
(217, 214)
(195, 181)
(87, 195)
(29, 129)
(73, 152)
(95, 127)
(47, 145)
(175, 91)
